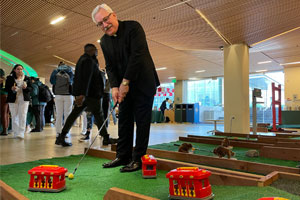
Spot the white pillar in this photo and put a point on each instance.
(236, 89)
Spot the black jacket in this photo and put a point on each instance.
(88, 80)
(11, 96)
(127, 56)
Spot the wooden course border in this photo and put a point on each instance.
(218, 177)
(280, 153)
(277, 135)
(115, 193)
(245, 166)
(8, 193)
(217, 141)
(280, 142)
(265, 150)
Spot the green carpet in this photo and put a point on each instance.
(92, 182)
(206, 150)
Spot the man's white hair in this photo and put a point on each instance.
(96, 10)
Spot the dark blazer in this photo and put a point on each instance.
(88, 80)
(12, 95)
(127, 56)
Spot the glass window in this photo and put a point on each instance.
(166, 90)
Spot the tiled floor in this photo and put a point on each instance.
(41, 145)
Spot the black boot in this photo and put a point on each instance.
(4, 132)
(60, 140)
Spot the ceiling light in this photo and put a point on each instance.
(252, 45)
(57, 20)
(15, 33)
(263, 70)
(98, 41)
(200, 71)
(161, 68)
(291, 63)
(172, 77)
(175, 5)
(264, 62)
(60, 58)
(193, 78)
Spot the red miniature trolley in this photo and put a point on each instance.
(189, 183)
(47, 178)
(149, 166)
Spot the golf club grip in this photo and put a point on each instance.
(116, 104)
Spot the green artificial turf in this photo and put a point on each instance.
(240, 153)
(92, 182)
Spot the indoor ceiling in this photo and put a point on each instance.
(178, 38)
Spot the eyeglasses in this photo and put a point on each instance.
(105, 19)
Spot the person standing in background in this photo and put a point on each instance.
(18, 87)
(4, 106)
(37, 105)
(62, 80)
(163, 106)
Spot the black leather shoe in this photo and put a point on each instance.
(116, 162)
(36, 130)
(107, 141)
(131, 167)
(57, 141)
(60, 140)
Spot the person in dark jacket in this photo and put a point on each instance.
(4, 106)
(38, 106)
(18, 87)
(88, 89)
(163, 106)
(133, 79)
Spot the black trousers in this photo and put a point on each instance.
(49, 111)
(38, 112)
(105, 106)
(135, 107)
(92, 105)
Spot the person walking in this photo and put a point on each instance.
(88, 90)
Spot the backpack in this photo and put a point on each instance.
(44, 93)
(62, 85)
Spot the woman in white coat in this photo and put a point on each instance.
(18, 87)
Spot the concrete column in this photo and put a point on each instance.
(292, 87)
(236, 89)
(179, 92)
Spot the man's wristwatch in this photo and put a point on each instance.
(125, 83)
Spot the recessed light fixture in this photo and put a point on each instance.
(264, 62)
(177, 4)
(98, 41)
(263, 70)
(60, 58)
(291, 63)
(200, 71)
(161, 68)
(15, 33)
(193, 78)
(172, 77)
(57, 20)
